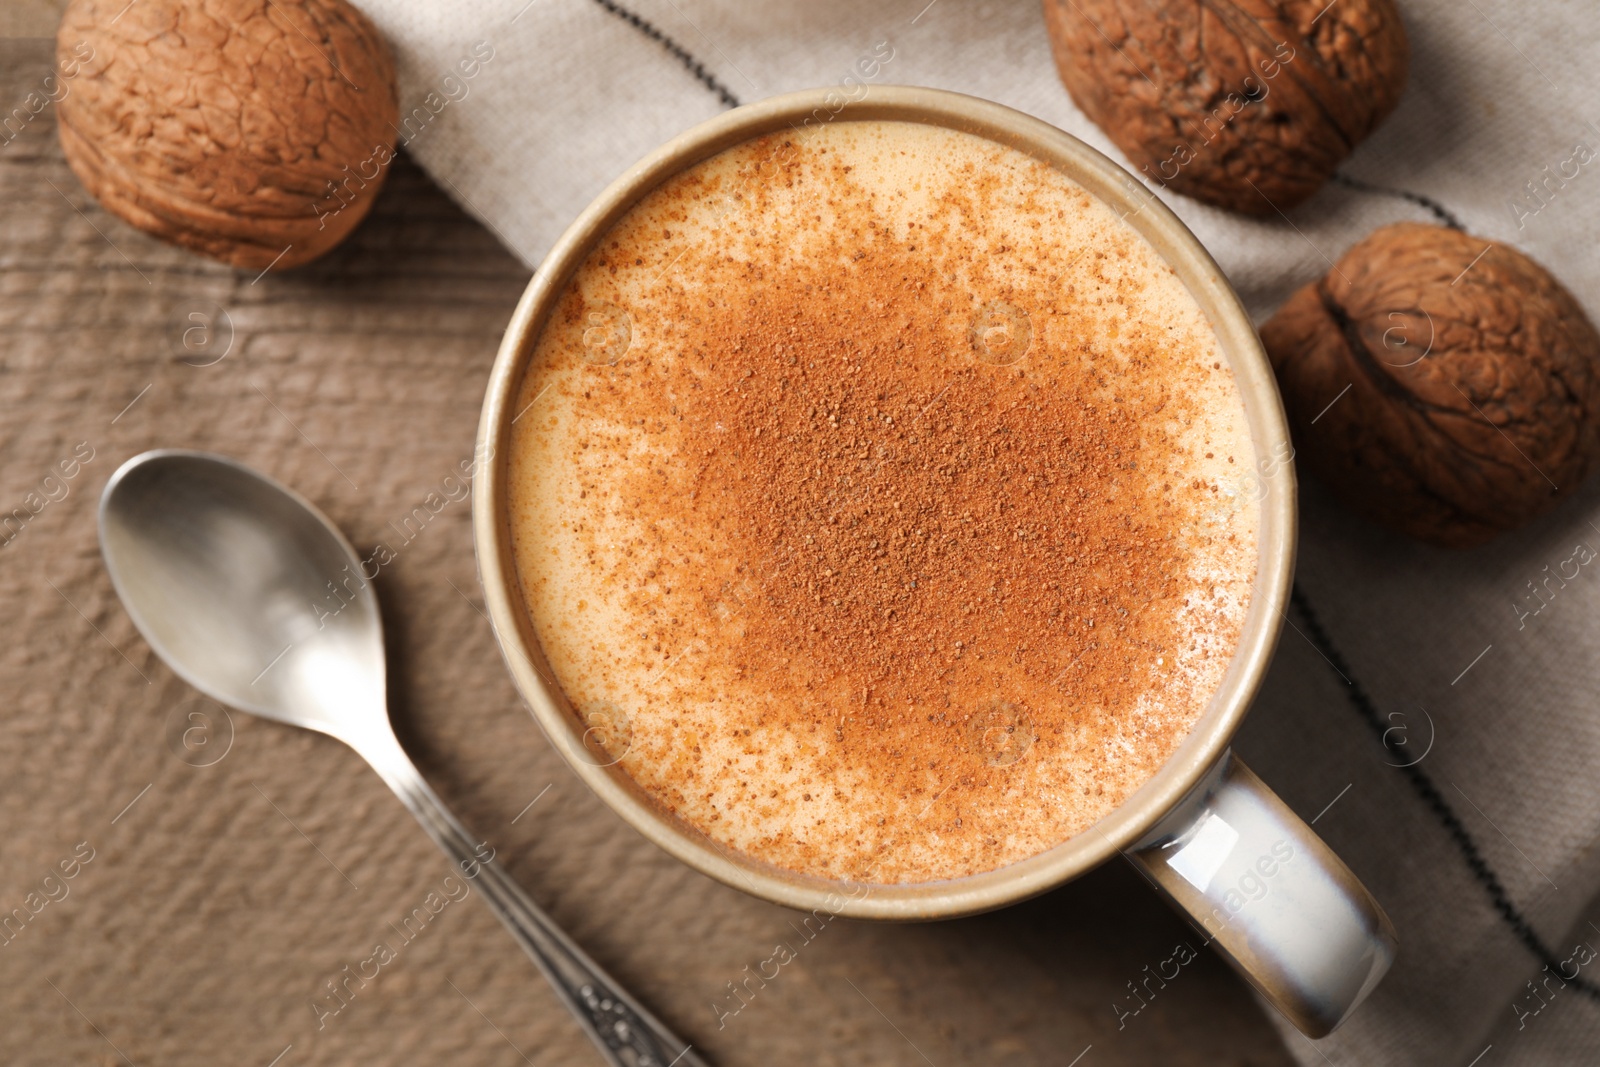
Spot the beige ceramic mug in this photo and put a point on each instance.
(1269, 894)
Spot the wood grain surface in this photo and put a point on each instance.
(239, 866)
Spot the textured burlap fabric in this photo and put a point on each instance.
(1482, 849)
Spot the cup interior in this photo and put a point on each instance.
(1264, 413)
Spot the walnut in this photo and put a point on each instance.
(1246, 104)
(1444, 385)
(254, 131)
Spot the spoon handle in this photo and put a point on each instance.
(626, 1033)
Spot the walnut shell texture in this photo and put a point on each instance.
(1442, 384)
(1246, 104)
(257, 132)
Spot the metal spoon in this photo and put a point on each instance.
(253, 597)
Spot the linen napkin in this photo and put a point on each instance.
(1432, 711)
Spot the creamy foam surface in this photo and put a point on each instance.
(881, 501)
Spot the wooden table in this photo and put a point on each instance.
(237, 867)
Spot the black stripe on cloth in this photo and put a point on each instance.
(678, 52)
(1440, 212)
(1424, 788)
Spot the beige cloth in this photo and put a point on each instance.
(565, 94)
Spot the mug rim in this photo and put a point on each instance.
(1207, 740)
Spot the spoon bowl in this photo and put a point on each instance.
(245, 589)
(252, 596)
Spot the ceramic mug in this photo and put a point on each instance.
(1270, 895)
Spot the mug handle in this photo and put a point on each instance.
(1274, 900)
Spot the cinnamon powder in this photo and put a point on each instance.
(910, 565)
